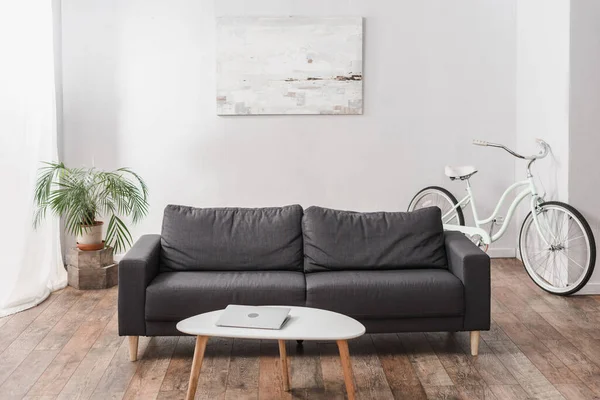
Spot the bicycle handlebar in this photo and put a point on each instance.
(543, 152)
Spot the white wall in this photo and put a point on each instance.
(584, 180)
(543, 97)
(139, 91)
(543, 93)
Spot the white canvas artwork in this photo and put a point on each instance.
(289, 65)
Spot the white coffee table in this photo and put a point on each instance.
(304, 324)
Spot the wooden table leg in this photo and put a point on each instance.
(285, 377)
(347, 366)
(196, 366)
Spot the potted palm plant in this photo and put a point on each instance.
(82, 195)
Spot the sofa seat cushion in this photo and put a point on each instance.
(387, 294)
(348, 240)
(173, 296)
(231, 239)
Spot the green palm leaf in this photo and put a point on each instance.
(82, 195)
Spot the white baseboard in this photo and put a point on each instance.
(590, 288)
(502, 253)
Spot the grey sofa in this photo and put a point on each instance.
(394, 272)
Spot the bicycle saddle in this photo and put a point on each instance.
(461, 172)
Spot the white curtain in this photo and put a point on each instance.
(30, 260)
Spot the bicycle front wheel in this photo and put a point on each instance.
(563, 263)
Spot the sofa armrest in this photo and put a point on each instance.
(472, 267)
(137, 268)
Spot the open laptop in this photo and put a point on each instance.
(253, 317)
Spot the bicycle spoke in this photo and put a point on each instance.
(568, 231)
(568, 240)
(442, 203)
(562, 267)
(445, 207)
(547, 275)
(549, 229)
(576, 246)
(547, 226)
(535, 255)
(576, 263)
(557, 272)
(560, 227)
(564, 233)
(559, 268)
(554, 276)
(539, 252)
(544, 258)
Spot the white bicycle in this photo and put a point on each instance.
(556, 243)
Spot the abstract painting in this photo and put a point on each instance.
(289, 65)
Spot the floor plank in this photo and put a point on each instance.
(18, 322)
(576, 391)
(537, 325)
(442, 393)
(215, 369)
(306, 379)
(370, 377)
(427, 365)
(486, 363)
(24, 377)
(467, 392)
(242, 380)
(509, 392)
(511, 301)
(148, 377)
(117, 376)
(549, 365)
(62, 332)
(458, 365)
(331, 370)
(577, 362)
(35, 332)
(86, 377)
(399, 371)
(270, 380)
(4, 320)
(495, 332)
(528, 376)
(67, 361)
(178, 372)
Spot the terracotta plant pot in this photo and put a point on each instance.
(91, 237)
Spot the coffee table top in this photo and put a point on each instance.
(304, 324)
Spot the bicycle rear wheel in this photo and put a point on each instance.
(439, 197)
(564, 265)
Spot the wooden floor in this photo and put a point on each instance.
(540, 346)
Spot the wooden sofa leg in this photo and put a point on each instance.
(474, 343)
(133, 347)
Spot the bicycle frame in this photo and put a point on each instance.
(531, 190)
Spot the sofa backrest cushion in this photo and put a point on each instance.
(231, 239)
(347, 240)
